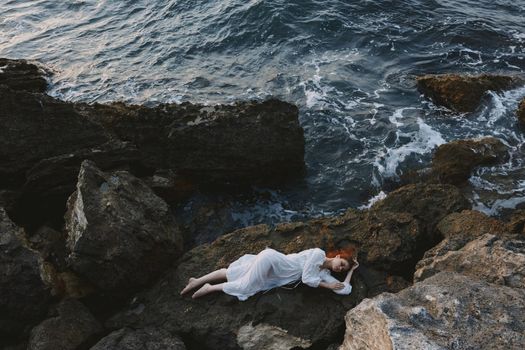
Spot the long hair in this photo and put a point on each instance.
(346, 253)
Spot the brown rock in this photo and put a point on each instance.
(463, 93)
(453, 162)
(22, 75)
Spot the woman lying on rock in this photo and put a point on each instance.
(269, 269)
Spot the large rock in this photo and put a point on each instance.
(390, 238)
(445, 311)
(24, 292)
(458, 229)
(454, 161)
(499, 260)
(463, 93)
(120, 234)
(36, 126)
(140, 339)
(72, 326)
(243, 143)
(22, 75)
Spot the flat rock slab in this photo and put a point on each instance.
(463, 93)
(139, 339)
(120, 233)
(445, 311)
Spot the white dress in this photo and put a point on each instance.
(269, 269)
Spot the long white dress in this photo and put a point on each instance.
(269, 269)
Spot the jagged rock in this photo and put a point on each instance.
(489, 257)
(453, 162)
(388, 241)
(22, 75)
(458, 229)
(139, 339)
(445, 311)
(51, 244)
(521, 112)
(24, 293)
(463, 93)
(71, 327)
(243, 143)
(120, 234)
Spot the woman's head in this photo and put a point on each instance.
(341, 259)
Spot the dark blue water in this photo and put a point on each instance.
(348, 65)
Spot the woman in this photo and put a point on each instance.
(269, 269)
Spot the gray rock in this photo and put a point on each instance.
(120, 234)
(140, 339)
(445, 311)
(73, 326)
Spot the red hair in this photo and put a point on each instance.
(346, 253)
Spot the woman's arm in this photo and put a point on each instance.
(349, 274)
(334, 285)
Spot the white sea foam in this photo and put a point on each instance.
(422, 141)
(498, 205)
(378, 197)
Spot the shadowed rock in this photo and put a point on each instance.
(445, 311)
(71, 327)
(389, 238)
(24, 294)
(120, 234)
(139, 339)
(463, 93)
(243, 143)
(22, 75)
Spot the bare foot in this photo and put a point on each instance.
(205, 289)
(192, 283)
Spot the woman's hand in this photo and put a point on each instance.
(336, 285)
(356, 264)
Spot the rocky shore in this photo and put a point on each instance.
(93, 257)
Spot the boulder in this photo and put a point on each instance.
(458, 229)
(463, 93)
(243, 143)
(139, 339)
(170, 186)
(24, 292)
(72, 326)
(120, 234)
(22, 75)
(388, 239)
(445, 311)
(521, 112)
(454, 161)
(516, 223)
(499, 260)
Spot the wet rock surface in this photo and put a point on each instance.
(120, 234)
(445, 311)
(463, 93)
(454, 162)
(72, 326)
(22, 75)
(387, 240)
(140, 339)
(24, 293)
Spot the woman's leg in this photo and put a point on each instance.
(197, 282)
(207, 289)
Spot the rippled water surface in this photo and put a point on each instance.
(348, 65)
